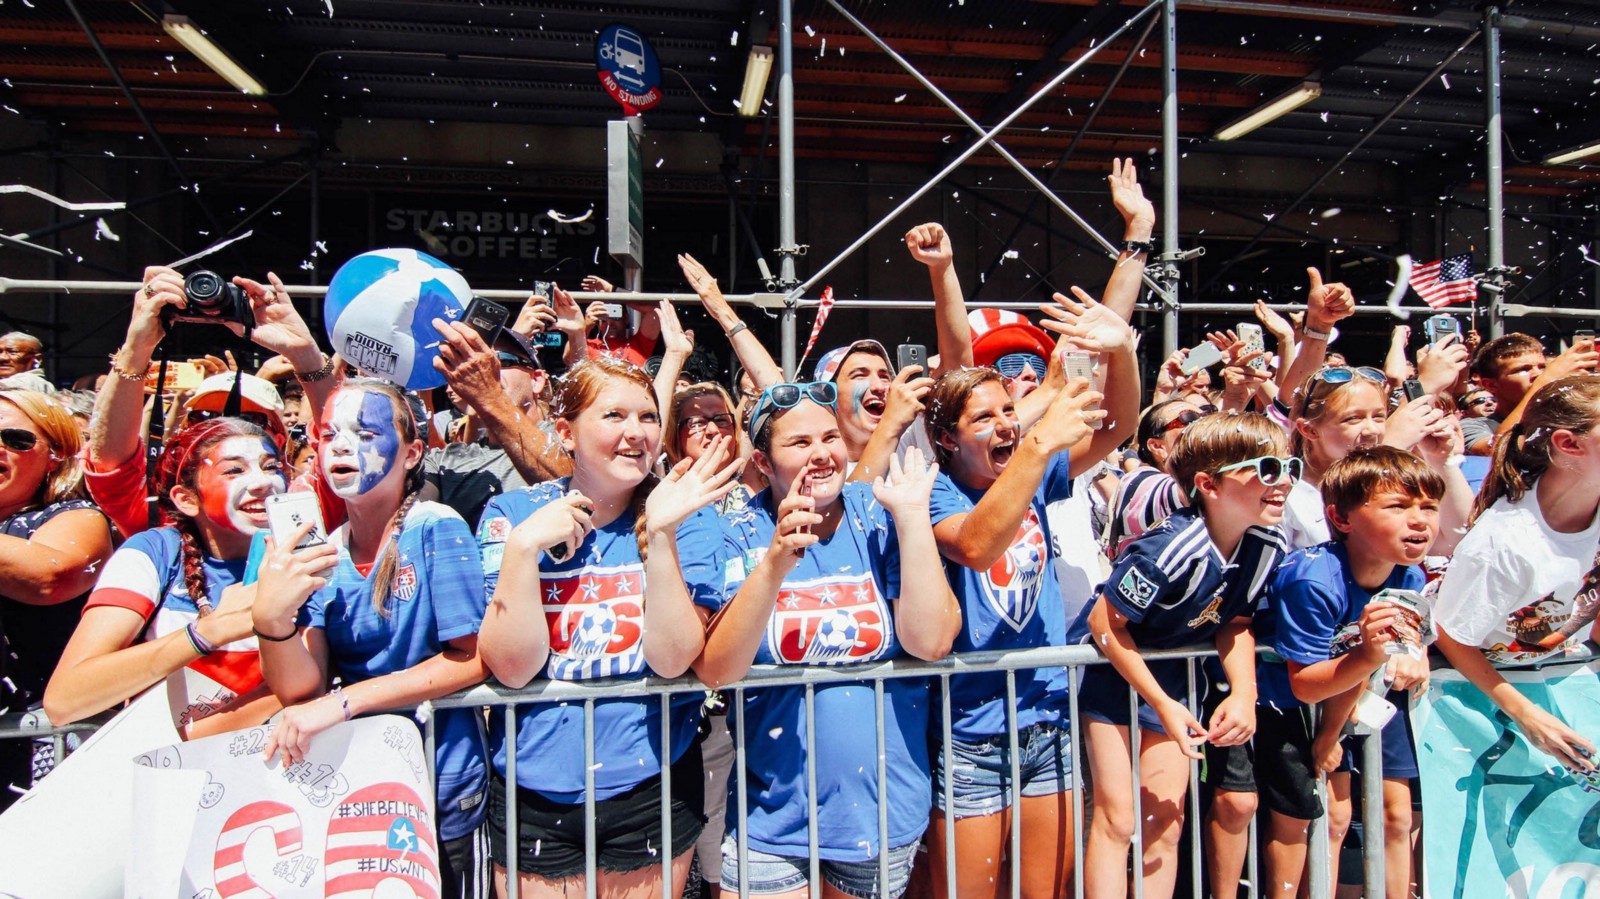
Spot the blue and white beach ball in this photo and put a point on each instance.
(378, 313)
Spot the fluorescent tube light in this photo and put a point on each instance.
(1574, 154)
(1300, 96)
(756, 70)
(196, 42)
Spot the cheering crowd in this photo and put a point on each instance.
(599, 511)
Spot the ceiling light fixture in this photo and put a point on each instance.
(195, 41)
(1574, 154)
(1300, 96)
(756, 70)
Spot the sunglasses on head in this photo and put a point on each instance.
(1182, 420)
(18, 440)
(786, 396)
(1336, 375)
(1269, 470)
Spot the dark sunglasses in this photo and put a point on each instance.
(1182, 420)
(18, 440)
(786, 396)
(1480, 401)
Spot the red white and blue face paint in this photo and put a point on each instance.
(360, 445)
(234, 481)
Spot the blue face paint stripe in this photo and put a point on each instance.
(377, 454)
(858, 392)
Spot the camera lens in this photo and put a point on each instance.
(204, 288)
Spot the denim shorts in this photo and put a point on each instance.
(982, 782)
(773, 874)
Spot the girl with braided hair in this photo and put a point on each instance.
(170, 601)
(396, 620)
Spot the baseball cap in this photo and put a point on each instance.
(516, 350)
(828, 363)
(258, 399)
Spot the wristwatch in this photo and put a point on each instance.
(1139, 246)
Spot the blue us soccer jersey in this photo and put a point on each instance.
(594, 605)
(435, 596)
(836, 607)
(1015, 604)
(1176, 590)
(1312, 613)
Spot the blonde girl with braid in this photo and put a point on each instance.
(170, 602)
(395, 622)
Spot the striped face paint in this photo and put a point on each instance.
(235, 480)
(360, 445)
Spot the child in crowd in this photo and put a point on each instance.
(396, 620)
(1524, 582)
(1195, 577)
(1330, 636)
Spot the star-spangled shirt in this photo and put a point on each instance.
(836, 607)
(594, 606)
(1015, 604)
(145, 576)
(435, 596)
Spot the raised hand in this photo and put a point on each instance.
(1129, 198)
(1069, 418)
(692, 485)
(469, 365)
(595, 284)
(705, 287)
(674, 339)
(1087, 323)
(1327, 304)
(1276, 325)
(906, 487)
(929, 245)
(906, 393)
(1411, 422)
(569, 318)
(1440, 366)
(538, 315)
(279, 326)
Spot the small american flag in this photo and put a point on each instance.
(1443, 282)
(824, 306)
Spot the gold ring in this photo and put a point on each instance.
(149, 290)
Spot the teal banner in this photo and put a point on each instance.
(1496, 810)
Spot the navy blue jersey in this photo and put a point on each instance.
(1176, 590)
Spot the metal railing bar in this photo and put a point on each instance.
(812, 835)
(591, 876)
(513, 871)
(1136, 846)
(1014, 745)
(1078, 780)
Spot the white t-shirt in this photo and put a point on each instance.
(1512, 588)
(1305, 516)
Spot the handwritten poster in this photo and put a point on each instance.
(355, 818)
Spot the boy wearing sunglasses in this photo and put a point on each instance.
(1330, 631)
(1196, 577)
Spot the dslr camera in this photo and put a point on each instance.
(212, 300)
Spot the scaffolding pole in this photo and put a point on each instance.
(1494, 280)
(1170, 253)
(788, 248)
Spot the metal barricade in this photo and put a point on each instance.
(500, 700)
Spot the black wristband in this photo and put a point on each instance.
(271, 639)
(1139, 246)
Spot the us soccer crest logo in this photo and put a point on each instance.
(829, 621)
(1012, 584)
(405, 583)
(596, 618)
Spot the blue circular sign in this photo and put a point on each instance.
(628, 68)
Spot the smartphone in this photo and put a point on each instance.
(1583, 339)
(487, 318)
(909, 354)
(181, 376)
(549, 339)
(1441, 326)
(288, 512)
(1203, 356)
(1413, 389)
(614, 311)
(544, 290)
(1081, 365)
(805, 490)
(1253, 343)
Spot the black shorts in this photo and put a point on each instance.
(1288, 773)
(1225, 767)
(627, 826)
